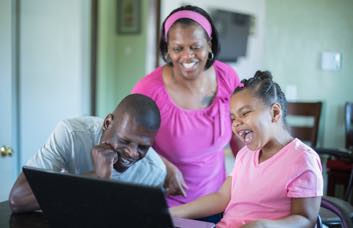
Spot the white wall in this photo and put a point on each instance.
(53, 67)
(297, 32)
(246, 66)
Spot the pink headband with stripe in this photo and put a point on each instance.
(198, 18)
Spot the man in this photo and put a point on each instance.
(109, 148)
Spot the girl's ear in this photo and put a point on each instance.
(276, 112)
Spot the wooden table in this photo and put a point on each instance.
(25, 220)
(37, 220)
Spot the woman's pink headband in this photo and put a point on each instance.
(198, 18)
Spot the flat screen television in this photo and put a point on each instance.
(233, 30)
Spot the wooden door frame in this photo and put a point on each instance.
(95, 40)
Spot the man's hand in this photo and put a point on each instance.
(104, 158)
(174, 183)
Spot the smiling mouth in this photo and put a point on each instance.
(122, 164)
(189, 65)
(125, 161)
(246, 136)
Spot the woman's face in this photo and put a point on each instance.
(251, 119)
(188, 49)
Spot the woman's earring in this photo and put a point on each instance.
(210, 55)
(104, 128)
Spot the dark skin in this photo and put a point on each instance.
(266, 121)
(123, 143)
(188, 83)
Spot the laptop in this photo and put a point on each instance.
(76, 201)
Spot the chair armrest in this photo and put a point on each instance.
(338, 153)
(340, 208)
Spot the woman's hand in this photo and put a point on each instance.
(174, 183)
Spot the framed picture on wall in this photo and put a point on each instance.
(129, 16)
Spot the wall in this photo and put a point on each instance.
(296, 33)
(44, 74)
(245, 66)
(53, 68)
(121, 57)
(289, 37)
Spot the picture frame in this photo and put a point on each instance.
(129, 16)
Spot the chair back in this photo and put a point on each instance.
(349, 125)
(307, 132)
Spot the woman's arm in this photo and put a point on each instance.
(304, 212)
(174, 182)
(205, 206)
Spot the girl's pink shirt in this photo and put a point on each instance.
(193, 140)
(264, 190)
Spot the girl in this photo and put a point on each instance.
(276, 180)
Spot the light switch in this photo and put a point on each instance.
(330, 61)
(127, 50)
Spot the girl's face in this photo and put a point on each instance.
(188, 50)
(251, 119)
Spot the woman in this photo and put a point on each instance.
(192, 92)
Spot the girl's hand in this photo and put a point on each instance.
(255, 224)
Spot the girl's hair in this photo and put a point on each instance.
(266, 89)
(163, 45)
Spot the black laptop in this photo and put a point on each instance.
(76, 201)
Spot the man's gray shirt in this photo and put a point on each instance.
(69, 148)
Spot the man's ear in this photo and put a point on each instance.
(108, 121)
(276, 112)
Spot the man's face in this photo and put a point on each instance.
(128, 139)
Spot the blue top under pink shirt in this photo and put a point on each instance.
(264, 190)
(193, 140)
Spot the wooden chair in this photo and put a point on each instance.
(308, 133)
(340, 169)
(349, 125)
(333, 211)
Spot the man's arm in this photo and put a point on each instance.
(104, 158)
(21, 197)
(51, 157)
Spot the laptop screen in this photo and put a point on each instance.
(77, 201)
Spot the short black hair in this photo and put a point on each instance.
(142, 109)
(163, 44)
(266, 89)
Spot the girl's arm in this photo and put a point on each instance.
(205, 206)
(304, 212)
